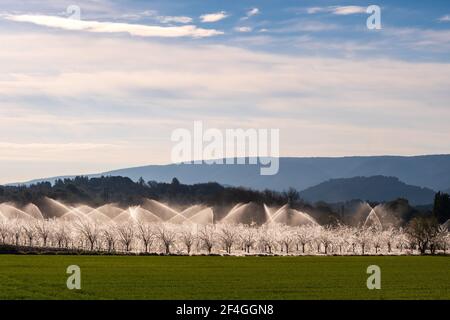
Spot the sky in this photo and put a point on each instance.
(105, 91)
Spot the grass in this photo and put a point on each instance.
(153, 277)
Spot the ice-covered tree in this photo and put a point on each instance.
(227, 236)
(187, 238)
(126, 235)
(43, 229)
(167, 236)
(207, 236)
(30, 231)
(247, 235)
(147, 234)
(4, 230)
(89, 230)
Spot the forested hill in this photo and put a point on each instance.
(124, 191)
(377, 188)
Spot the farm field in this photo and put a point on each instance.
(215, 277)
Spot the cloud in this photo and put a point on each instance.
(51, 146)
(113, 27)
(243, 29)
(314, 10)
(253, 12)
(337, 10)
(346, 10)
(250, 13)
(154, 14)
(429, 40)
(176, 19)
(445, 18)
(98, 93)
(138, 15)
(295, 25)
(214, 17)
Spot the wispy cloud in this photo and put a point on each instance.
(154, 15)
(53, 146)
(314, 10)
(214, 17)
(346, 10)
(253, 12)
(338, 10)
(250, 13)
(138, 15)
(243, 29)
(176, 19)
(445, 18)
(114, 27)
(420, 39)
(304, 26)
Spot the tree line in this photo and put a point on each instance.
(125, 192)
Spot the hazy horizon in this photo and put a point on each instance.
(72, 174)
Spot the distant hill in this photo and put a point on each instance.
(432, 171)
(376, 188)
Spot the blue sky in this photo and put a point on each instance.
(106, 91)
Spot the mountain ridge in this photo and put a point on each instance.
(429, 171)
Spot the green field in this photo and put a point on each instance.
(153, 277)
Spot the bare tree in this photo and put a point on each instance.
(61, 235)
(16, 230)
(207, 236)
(287, 238)
(146, 234)
(227, 236)
(402, 240)
(364, 236)
(167, 237)
(4, 230)
(326, 238)
(423, 230)
(248, 237)
(30, 232)
(440, 240)
(187, 237)
(110, 238)
(303, 236)
(90, 231)
(389, 236)
(377, 241)
(267, 239)
(43, 230)
(342, 237)
(126, 235)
